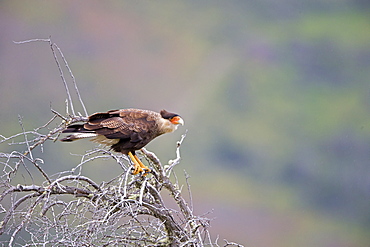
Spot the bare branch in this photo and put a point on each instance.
(70, 209)
(70, 103)
(232, 244)
(73, 80)
(31, 40)
(176, 161)
(29, 152)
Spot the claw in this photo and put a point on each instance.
(139, 167)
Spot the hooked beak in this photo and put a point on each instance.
(177, 120)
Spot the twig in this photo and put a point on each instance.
(187, 176)
(25, 137)
(31, 40)
(142, 191)
(73, 80)
(26, 218)
(125, 186)
(232, 244)
(156, 162)
(76, 178)
(10, 212)
(176, 161)
(29, 151)
(52, 45)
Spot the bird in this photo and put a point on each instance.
(125, 131)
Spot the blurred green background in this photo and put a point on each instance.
(275, 96)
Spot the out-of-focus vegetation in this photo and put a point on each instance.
(275, 95)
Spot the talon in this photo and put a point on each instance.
(139, 167)
(146, 171)
(135, 169)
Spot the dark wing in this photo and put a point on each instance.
(132, 125)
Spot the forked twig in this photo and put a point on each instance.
(73, 80)
(176, 161)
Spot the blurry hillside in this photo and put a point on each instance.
(275, 96)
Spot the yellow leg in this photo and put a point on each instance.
(143, 167)
(138, 165)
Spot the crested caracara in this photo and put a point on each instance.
(125, 130)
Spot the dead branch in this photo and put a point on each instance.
(71, 209)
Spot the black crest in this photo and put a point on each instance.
(168, 115)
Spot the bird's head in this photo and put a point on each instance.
(173, 118)
(177, 120)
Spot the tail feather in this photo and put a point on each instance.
(79, 132)
(77, 136)
(75, 128)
